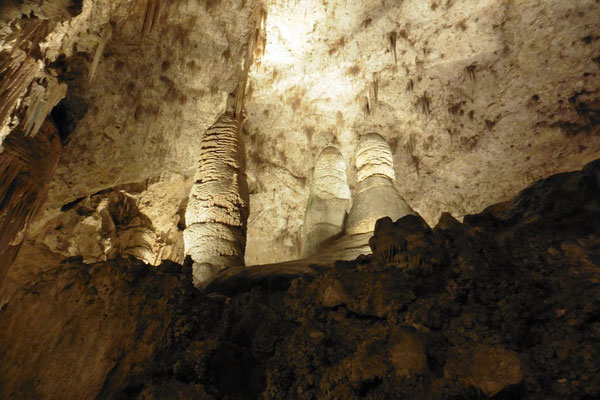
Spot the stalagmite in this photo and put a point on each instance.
(328, 201)
(217, 211)
(27, 165)
(377, 196)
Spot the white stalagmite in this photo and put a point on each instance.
(217, 211)
(377, 195)
(328, 201)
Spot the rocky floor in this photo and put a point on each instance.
(505, 305)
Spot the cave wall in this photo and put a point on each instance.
(144, 80)
(477, 100)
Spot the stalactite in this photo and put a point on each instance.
(152, 13)
(393, 36)
(105, 36)
(20, 66)
(41, 101)
(377, 195)
(27, 165)
(16, 74)
(327, 203)
(217, 211)
(255, 49)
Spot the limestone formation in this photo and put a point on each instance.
(466, 111)
(27, 165)
(107, 225)
(327, 203)
(217, 210)
(377, 195)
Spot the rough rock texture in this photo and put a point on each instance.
(27, 164)
(501, 306)
(476, 98)
(217, 208)
(106, 224)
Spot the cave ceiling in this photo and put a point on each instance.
(477, 99)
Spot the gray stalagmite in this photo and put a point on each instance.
(328, 201)
(377, 195)
(217, 211)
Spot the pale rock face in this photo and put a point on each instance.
(328, 201)
(377, 195)
(100, 227)
(477, 99)
(217, 210)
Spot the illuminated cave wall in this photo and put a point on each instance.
(476, 99)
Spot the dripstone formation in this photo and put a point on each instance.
(217, 209)
(328, 201)
(138, 272)
(377, 195)
(27, 164)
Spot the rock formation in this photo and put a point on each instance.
(377, 195)
(102, 103)
(501, 306)
(453, 86)
(27, 164)
(217, 208)
(328, 201)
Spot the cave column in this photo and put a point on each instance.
(218, 204)
(328, 201)
(377, 195)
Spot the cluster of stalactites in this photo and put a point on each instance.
(217, 211)
(377, 195)
(328, 201)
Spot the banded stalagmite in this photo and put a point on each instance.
(328, 201)
(377, 195)
(218, 205)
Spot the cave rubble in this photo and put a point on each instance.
(498, 306)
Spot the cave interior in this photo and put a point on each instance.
(312, 199)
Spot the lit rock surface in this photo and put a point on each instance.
(476, 98)
(374, 157)
(328, 201)
(217, 208)
(377, 195)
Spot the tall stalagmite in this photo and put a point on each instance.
(377, 195)
(217, 211)
(27, 164)
(328, 201)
